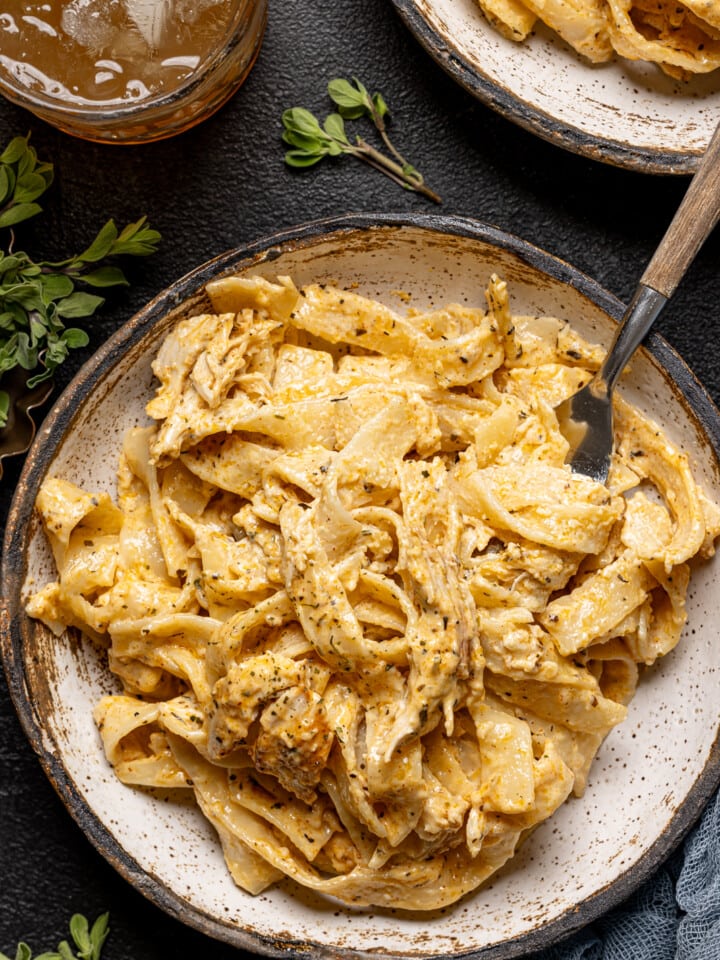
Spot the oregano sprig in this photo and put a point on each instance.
(310, 141)
(38, 297)
(88, 942)
(23, 178)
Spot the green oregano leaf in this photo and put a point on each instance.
(37, 297)
(311, 141)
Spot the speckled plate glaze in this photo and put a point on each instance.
(624, 113)
(653, 774)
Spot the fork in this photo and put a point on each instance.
(586, 418)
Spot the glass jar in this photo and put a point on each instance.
(126, 71)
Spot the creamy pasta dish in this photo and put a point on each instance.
(352, 595)
(682, 38)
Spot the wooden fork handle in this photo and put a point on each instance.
(695, 218)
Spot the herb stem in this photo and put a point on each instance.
(383, 168)
(408, 178)
(379, 122)
(311, 141)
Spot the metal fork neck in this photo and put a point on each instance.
(643, 310)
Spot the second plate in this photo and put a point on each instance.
(624, 113)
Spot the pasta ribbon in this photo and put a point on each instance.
(683, 39)
(354, 599)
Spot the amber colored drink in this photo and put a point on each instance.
(109, 55)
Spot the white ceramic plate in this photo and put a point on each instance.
(624, 113)
(653, 774)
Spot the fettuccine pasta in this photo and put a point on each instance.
(683, 39)
(353, 596)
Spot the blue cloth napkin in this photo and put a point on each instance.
(675, 915)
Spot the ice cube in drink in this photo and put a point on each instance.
(151, 18)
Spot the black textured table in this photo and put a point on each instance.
(225, 183)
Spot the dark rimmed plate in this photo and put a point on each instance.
(653, 774)
(623, 113)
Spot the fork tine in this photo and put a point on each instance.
(585, 419)
(586, 422)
